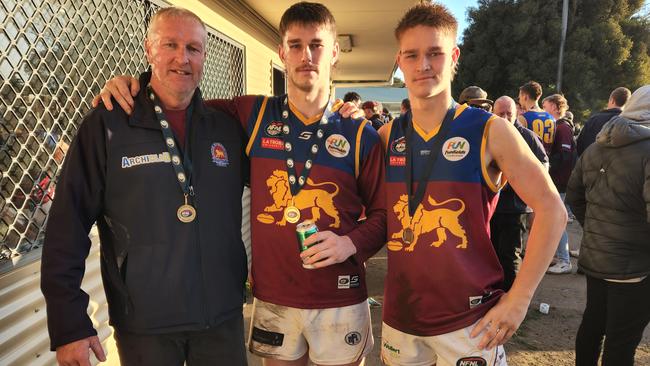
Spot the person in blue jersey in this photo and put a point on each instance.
(444, 166)
(535, 118)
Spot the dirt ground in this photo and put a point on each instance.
(542, 340)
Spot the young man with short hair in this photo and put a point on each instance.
(615, 104)
(535, 118)
(445, 165)
(307, 162)
(562, 158)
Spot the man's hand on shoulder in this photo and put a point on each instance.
(123, 88)
(76, 353)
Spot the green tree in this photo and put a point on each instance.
(509, 42)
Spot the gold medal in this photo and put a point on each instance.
(408, 236)
(292, 214)
(186, 213)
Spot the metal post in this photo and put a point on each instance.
(565, 16)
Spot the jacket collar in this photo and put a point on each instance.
(612, 110)
(143, 114)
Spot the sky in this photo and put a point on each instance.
(459, 9)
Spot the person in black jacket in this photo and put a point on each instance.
(609, 193)
(594, 124)
(164, 186)
(372, 111)
(507, 224)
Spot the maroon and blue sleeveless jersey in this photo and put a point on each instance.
(543, 124)
(347, 175)
(447, 276)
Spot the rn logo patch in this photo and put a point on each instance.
(219, 155)
(337, 145)
(455, 148)
(471, 361)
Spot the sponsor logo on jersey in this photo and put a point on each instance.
(398, 146)
(471, 361)
(349, 281)
(219, 154)
(337, 145)
(305, 135)
(397, 161)
(272, 143)
(475, 301)
(455, 148)
(274, 128)
(131, 161)
(353, 338)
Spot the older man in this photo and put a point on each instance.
(507, 224)
(173, 266)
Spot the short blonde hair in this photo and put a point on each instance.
(560, 102)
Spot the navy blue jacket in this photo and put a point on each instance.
(509, 202)
(160, 275)
(593, 125)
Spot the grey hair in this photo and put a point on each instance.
(173, 12)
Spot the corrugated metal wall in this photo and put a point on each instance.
(23, 330)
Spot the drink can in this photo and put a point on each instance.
(543, 308)
(304, 230)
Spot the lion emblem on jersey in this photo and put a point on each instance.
(309, 198)
(438, 217)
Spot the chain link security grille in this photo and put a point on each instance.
(54, 56)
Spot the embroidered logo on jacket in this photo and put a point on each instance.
(315, 200)
(439, 218)
(129, 162)
(219, 154)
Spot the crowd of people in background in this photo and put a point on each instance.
(606, 190)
